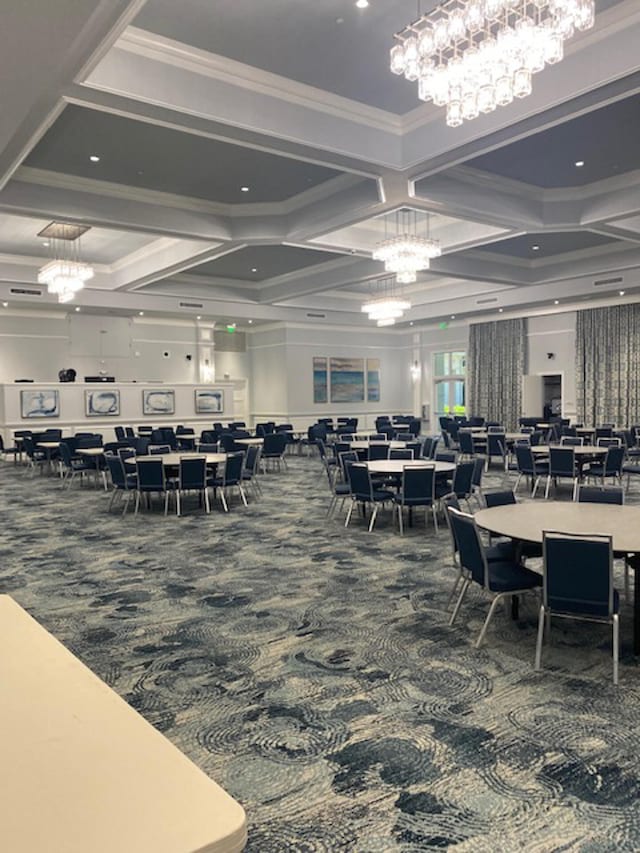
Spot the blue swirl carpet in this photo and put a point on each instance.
(311, 672)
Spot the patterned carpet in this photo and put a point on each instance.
(311, 672)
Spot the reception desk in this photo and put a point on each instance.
(82, 772)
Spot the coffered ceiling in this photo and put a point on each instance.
(249, 153)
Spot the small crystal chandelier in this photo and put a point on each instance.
(387, 303)
(65, 274)
(471, 56)
(403, 251)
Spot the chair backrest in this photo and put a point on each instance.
(470, 547)
(129, 433)
(274, 444)
(233, 469)
(478, 469)
(360, 480)
(577, 573)
(562, 461)
(65, 454)
(398, 453)
(614, 460)
(463, 478)
(227, 442)
(116, 469)
(444, 456)
(465, 440)
(141, 446)
(568, 431)
(524, 459)
(445, 438)
(503, 498)
(571, 441)
(496, 443)
(126, 453)
(608, 442)
(536, 438)
(429, 446)
(348, 457)
(495, 428)
(120, 433)
(418, 483)
(207, 448)
(151, 475)
(604, 432)
(404, 436)
(378, 451)
(600, 495)
(193, 472)
(88, 440)
(158, 449)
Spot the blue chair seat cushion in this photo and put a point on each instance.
(412, 501)
(501, 552)
(377, 495)
(631, 469)
(342, 489)
(506, 576)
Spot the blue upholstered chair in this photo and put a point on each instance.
(562, 464)
(151, 480)
(363, 492)
(192, 477)
(123, 484)
(578, 584)
(497, 578)
(417, 488)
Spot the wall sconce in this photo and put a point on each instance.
(415, 371)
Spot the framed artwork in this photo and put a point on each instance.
(373, 380)
(44, 403)
(347, 380)
(209, 401)
(320, 380)
(158, 402)
(102, 404)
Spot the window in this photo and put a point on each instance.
(448, 383)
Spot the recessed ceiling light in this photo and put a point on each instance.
(254, 269)
(453, 316)
(250, 322)
(94, 158)
(244, 189)
(535, 248)
(339, 20)
(362, 4)
(579, 164)
(46, 243)
(500, 310)
(622, 293)
(5, 304)
(198, 317)
(77, 307)
(140, 313)
(556, 301)
(411, 323)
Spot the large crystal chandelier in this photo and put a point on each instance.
(474, 55)
(387, 303)
(65, 274)
(404, 251)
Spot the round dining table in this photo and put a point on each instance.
(396, 466)
(579, 449)
(250, 442)
(364, 444)
(172, 460)
(528, 521)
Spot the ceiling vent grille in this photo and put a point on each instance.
(486, 301)
(317, 316)
(604, 281)
(191, 305)
(23, 291)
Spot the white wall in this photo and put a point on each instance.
(282, 373)
(556, 334)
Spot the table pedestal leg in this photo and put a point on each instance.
(634, 562)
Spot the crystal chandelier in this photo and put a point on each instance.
(65, 274)
(403, 251)
(471, 56)
(387, 303)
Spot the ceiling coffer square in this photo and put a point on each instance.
(63, 231)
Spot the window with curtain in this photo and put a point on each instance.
(495, 367)
(449, 370)
(608, 365)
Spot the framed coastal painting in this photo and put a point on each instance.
(346, 380)
(209, 401)
(373, 380)
(320, 380)
(102, 403)
(44, 403)
(158, 402)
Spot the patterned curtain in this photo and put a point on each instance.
(608, 365)
(495, 367)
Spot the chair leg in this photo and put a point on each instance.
(207, 505)
(137, 504)
(546, 491)
(453, 590)
(400, 520)
(372, 520)
(113, 497)
(541, 620)
(349, 514)
(166, 501)
(616, 646)
(517, 483)
(242, 495)
(466, 583)
(494, 604)
(178, 507)
(434, 512)
(224, 499)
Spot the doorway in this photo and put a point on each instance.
(552, 395)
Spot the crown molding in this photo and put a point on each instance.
(195, 60)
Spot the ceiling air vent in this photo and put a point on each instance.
(486, 301)
(191, 305)
(603, 281)
(23, 291)
(317, 316)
